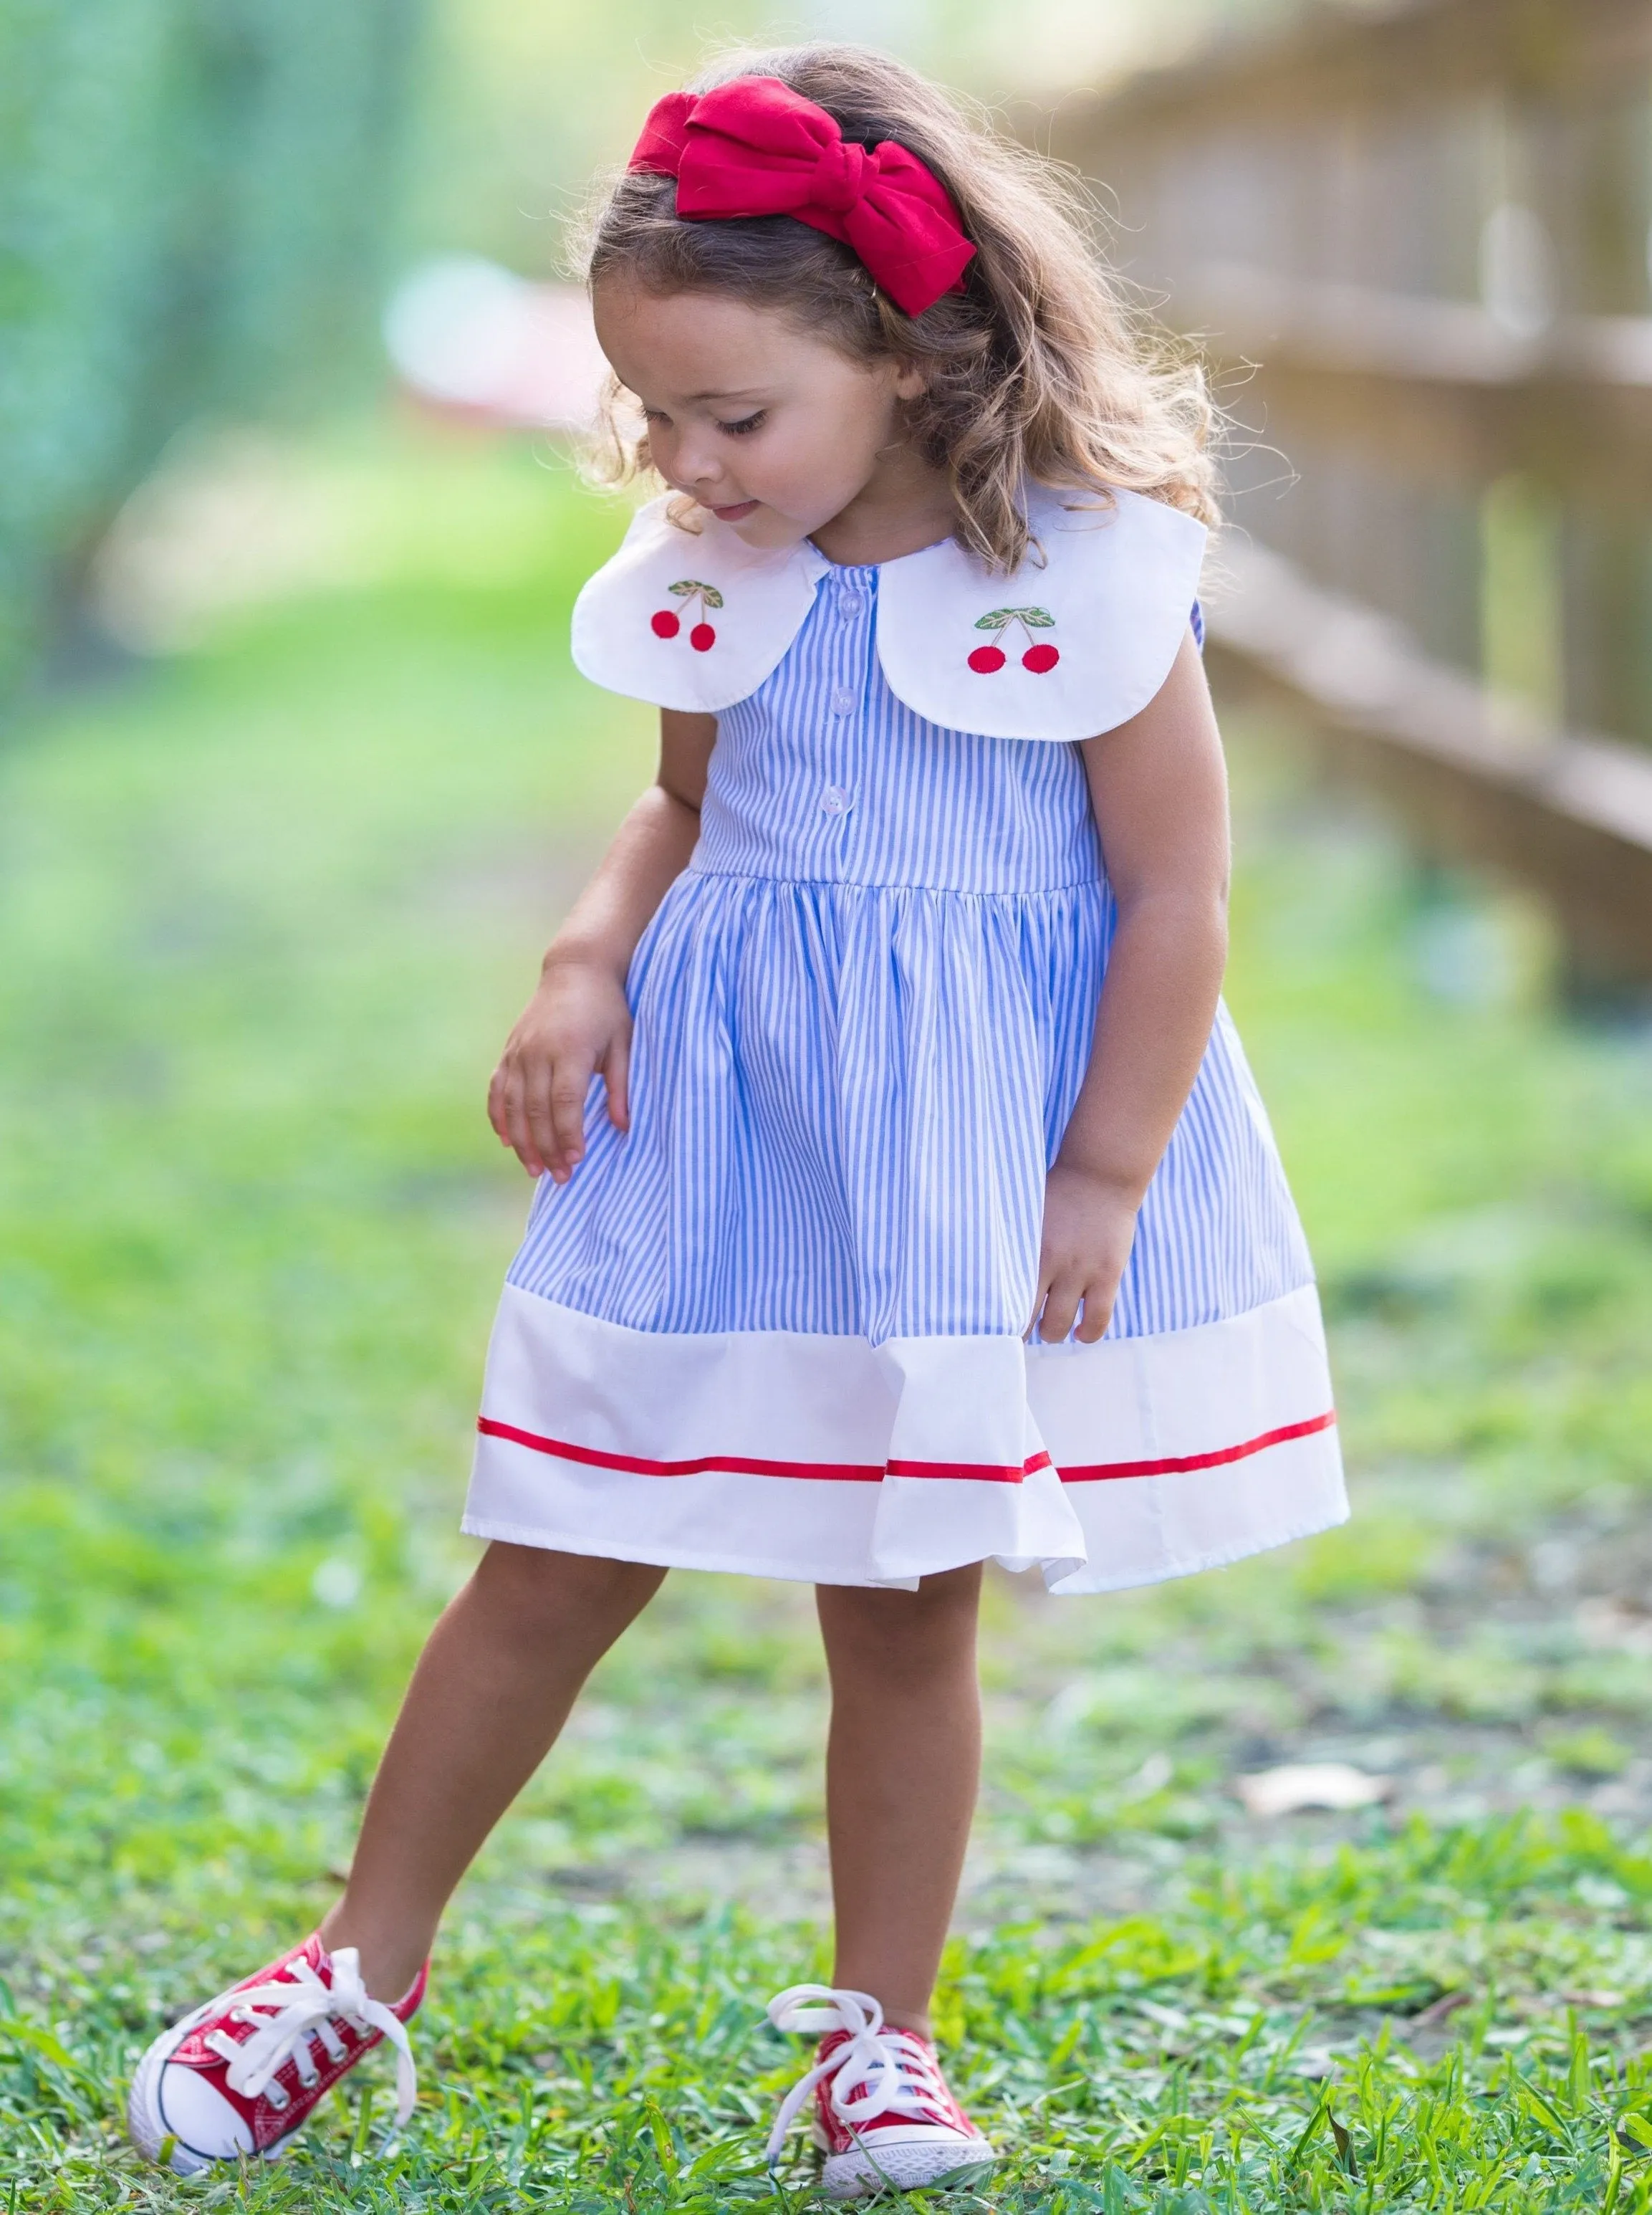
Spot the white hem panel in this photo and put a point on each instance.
(825, 1459)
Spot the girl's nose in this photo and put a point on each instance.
(696, 472)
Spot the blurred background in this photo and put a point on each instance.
(295, 781)
(207, 208)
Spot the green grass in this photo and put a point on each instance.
(266, 910)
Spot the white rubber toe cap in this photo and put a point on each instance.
(167, 2102)
(198, 2116)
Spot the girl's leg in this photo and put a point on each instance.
(492, 1690)
(902, 1764)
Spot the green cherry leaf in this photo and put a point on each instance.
(713, 598)
(684, 586)
(995, 620)
(1037, 618)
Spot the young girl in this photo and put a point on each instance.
(904, 1200)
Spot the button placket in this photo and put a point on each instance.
(845, 738)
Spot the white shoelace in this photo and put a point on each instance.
(873, 2071)
(290, 2011)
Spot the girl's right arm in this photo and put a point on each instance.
(579, 1021)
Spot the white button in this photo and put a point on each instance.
(842, 704)
(835, 800)
(853, 599)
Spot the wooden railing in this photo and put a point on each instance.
(1417, 245)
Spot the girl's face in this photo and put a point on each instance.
(773, 431)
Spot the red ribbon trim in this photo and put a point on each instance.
(868, 1473)
(1177, 1465)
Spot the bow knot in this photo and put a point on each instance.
(754, 147)
(839, 169)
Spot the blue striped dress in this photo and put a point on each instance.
(779, 1324)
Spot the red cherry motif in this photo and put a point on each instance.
(697, 597)
(1038, 656)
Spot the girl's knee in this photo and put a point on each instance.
(543, 1581)
(859, 1619)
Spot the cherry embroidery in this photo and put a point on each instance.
(1040, 655)
(665, 622)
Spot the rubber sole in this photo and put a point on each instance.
(909, 2168)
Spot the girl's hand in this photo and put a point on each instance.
(575, 1024)
(1089, 1225)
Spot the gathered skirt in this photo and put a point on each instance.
(780, 1325)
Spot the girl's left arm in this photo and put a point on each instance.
(1159, 789)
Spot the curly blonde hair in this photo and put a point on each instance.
(1040, 369)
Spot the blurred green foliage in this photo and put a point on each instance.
(197, 197)
(193, 202)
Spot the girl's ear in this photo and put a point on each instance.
(910, 382)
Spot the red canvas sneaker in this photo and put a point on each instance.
(241, 2074)
(884, 2116)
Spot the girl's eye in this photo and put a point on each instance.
(747, 423)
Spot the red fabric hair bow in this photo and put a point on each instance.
(754, 147)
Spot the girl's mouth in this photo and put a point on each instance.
(738, 513)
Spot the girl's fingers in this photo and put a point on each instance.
(569, 1083)
(616, 1078)
(1070, 1300)
(541, 1130)
(496, 1106)
(1098, 1313)
(1061, 1307)
(507, 1111)
(498, 1103)
(519, 1126)
(536, 1103)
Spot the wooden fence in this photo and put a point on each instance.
(1417, 242)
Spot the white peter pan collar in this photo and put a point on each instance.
(1064, 647)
